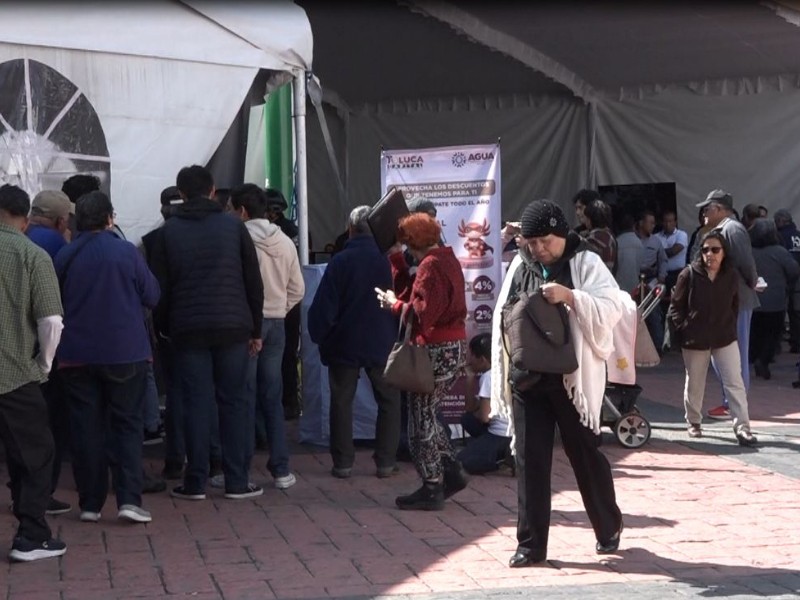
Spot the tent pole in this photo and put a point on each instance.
(591, 175)
(301, 182)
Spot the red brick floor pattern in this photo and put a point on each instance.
(689, 515)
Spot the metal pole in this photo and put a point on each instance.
(301, 182)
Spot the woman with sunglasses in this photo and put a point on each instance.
(703, 311)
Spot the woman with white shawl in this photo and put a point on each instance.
(558, 263)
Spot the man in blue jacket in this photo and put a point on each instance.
(354, 332)
(103, 357)
(210, 310)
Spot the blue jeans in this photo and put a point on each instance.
(265, 391)
(743, 340)
(105, 406)
(174, 440)
(210, 376)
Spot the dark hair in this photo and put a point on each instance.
(14, 200)
(275, 199)
(78, 185)
(92, 211)
(481, 346)
(763, 233)
(750, 213)
(195, 181)
(251, 197)
(222, 195)
(586, 197)
(645, 213)
(715, 234)
(598, 213)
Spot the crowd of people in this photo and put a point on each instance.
(203, 311)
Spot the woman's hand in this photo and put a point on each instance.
(394, 249)
(387, 299)
(555, 293)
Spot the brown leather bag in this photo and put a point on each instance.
(538, 336)
(409, 367)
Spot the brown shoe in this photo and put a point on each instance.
(695, 431)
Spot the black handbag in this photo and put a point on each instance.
(409, 367)
(538, 337)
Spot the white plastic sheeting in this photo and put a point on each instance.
(165, 80)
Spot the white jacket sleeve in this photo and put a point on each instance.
(48, 331)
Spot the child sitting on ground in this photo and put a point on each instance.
(489, 444)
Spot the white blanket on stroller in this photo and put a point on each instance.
(599, 305)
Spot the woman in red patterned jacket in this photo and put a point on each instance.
(436, 294)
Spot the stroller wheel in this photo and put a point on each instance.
(632, 430)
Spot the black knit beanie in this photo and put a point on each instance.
(541, 218)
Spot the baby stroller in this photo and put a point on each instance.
(620, 413)
(628, 425)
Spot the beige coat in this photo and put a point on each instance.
(280, 268)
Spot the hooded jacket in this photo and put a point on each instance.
(280, 268)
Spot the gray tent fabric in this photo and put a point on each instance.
(580, 94)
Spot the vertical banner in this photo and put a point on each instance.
(279, 143)
(463, 182)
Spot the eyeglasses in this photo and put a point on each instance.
(712, 249)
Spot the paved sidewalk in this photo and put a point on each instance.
(702, 518)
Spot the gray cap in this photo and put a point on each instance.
(417, 204)
(717, 197)
(783, 215)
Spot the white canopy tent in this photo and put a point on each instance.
(581, 94)
(133, 92)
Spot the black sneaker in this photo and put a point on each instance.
(251, 491)
(154, 437)
(455, 478)
(56, 507)
(429, 497)
(25, 550)
(183, 494)
(747, 439)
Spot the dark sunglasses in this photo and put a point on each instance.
(712, 249)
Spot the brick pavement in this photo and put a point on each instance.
(702, 517)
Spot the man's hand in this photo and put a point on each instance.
(254, 346)
(387, 299)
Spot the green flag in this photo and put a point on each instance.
(278, 158)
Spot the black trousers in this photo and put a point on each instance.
(343, 382)
(536, 413)
(29, 454)
(765, 334)
(58, 412)
(292, 404)
(793, 312)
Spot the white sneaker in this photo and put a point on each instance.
(217, 481)
(133, 513)
(285, 482)
(88, 516)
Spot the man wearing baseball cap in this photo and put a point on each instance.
(718, 212)
(49, 220)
